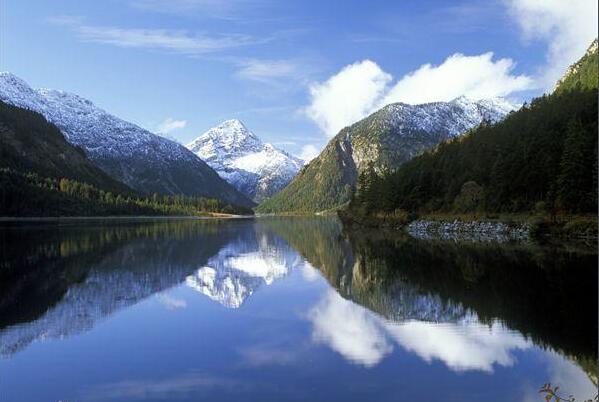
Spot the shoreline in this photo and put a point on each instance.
(516, 227)
(51, 219)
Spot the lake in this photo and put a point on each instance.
(288, 309)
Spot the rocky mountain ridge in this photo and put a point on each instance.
(257, 169)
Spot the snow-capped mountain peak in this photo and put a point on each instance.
(232, 135)
(255, 168)
(141, 159)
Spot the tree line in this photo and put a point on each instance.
(29, 194)
(541, 157)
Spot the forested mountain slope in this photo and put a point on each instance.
(41, 174)
(144, 161)
(386, 139)
(542, 157)
(30, 143)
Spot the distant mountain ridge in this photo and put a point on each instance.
(144, 161)
(257, 169)
(386, 139)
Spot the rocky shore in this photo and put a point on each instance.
(470, 231)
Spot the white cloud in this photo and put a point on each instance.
(170, 124)
(308, 153)
(347, 96)
(350, 330)
(568, 27)
(476, 77)
(178, 41)
(362, 88)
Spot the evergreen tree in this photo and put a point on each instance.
(574, 180)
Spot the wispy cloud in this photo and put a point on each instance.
(229, 9)
(568, 27)
(169, 124)
(178, 41)
(268, 355)
(365, 338)
(267, 71)
(165, 388)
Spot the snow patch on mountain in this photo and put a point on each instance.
(452, 118)
(257, 169)
(144, 161)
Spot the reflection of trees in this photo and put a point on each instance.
(38, 266)
(547, 293)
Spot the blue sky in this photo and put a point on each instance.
(293, 71)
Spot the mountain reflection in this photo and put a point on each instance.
(255, 258)
(59, 281)
(469, 306)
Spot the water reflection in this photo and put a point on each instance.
(69, 278)
(469, 305)
(240, 268)
(365, 338)
(349, 329)
(371, 302)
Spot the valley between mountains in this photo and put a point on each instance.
(63, 155)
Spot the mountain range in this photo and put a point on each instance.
(384, 140)
(29, 143)
(229, 162)
(257, 169)
(128, 153)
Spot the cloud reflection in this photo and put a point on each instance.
(350, 330)
(365, 338)
(166, 388)
(172, 303)
(461, 346)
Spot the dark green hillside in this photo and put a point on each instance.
(30, 143)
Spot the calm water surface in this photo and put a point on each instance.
(288, 310)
